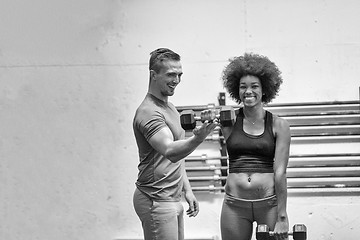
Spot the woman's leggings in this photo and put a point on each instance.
(238, 215)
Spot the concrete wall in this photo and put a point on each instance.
(73, 72)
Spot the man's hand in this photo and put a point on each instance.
(193, 204)
(205, 129)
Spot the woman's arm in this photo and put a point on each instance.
(283, 138)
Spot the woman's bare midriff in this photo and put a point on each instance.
(250, 186)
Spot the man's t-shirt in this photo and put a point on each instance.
(158, 178)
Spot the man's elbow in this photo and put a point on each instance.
(173, 157)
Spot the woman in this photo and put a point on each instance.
(258, 148)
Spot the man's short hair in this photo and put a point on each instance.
(159, 55)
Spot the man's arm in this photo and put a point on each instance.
(189, 195)
(163, 142)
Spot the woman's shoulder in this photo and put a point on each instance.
(280, 122)
(281, 127)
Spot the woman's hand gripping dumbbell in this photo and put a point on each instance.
(298, 233)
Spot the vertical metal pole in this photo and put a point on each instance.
(223, 151)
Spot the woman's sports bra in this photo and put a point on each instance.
(251, 153)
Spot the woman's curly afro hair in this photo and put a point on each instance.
(254, 65)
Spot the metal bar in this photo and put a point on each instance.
(324, 182)
(324, 161)
(351, 171)
(319, 191)
(343, 137)
(204, 157)
(207, 178)
(323, 119)
(299, 182)
(325, 155)
(326, 134)
(277, 105)
(206, 168)
(326, 139)
(204, 238)
(330, 129)
(348, 171)
(301, 160)
(212, 188)
(300, 104)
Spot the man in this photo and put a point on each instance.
(162, 148)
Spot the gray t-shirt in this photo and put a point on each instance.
(158, 178)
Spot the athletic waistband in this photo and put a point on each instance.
(250, 203)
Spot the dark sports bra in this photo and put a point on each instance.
(251, 153)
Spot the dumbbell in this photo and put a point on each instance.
(298, 233)
(226, 116)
